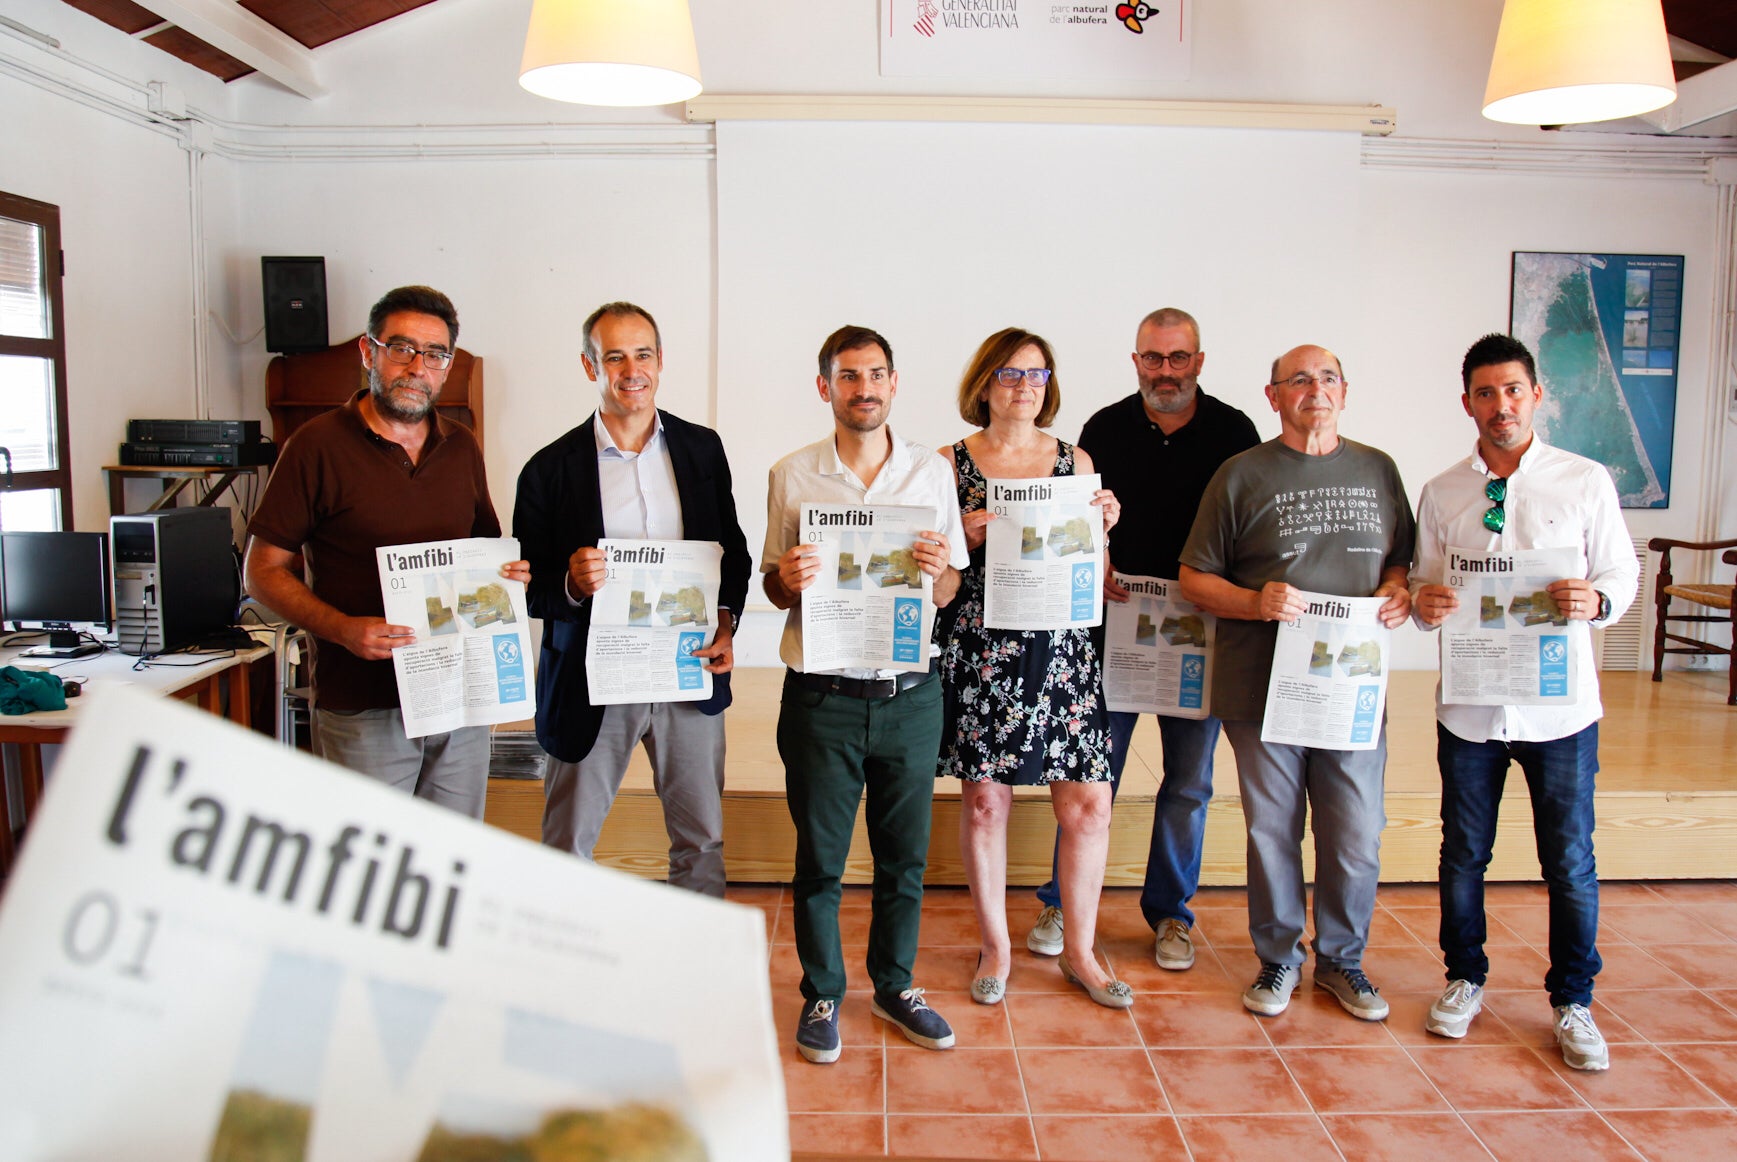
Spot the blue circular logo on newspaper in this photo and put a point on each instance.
(507, 650)
(1366, 700)
(1554, 651)
(1192, 667)
(906, 614)
(1082, 578)
(688, 644)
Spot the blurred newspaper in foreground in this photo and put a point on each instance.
(216, 949)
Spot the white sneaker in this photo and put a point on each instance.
(1046, 934)
(1452, 1013)
(1578, 1037)
(1270, 994)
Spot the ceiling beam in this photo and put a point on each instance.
(226, 25)
(1702, 97)
(1369, 120)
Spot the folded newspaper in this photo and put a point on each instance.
(872, 607)
(1329, 682)
(1508, 644)
(658, 604)
(1157, 650)
(1043, 554)
(470, 664)
(216, 949)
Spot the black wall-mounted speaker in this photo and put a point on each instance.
(295, 304)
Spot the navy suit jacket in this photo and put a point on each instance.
(560, 509)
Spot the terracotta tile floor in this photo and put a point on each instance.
(1188, 1074)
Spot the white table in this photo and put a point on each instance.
(203, 682)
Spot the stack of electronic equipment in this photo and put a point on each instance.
(196, 444)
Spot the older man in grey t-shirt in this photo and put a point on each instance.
(1309, 511)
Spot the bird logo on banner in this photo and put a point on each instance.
(1132, 14)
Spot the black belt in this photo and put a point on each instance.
(863, 687)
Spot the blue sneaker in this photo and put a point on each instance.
(817, 1032)
(915, 1019)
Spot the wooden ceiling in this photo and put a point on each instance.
(309, 22)
(1709, 24)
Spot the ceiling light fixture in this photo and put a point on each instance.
(611, 52)
(1564, 62)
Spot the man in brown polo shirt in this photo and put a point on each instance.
(384, 469)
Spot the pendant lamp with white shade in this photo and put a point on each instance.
(1563, 62)
(611, 52)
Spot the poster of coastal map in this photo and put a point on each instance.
(1605, 329)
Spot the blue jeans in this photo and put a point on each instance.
(1178, 818)
(1560, 777)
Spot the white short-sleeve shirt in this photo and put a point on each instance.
(912, 474)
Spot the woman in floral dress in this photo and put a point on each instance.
(1023, 707)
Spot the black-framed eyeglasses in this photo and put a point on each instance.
(1012, 376)
(1497, 492)
(1153, 360)
(401, 352)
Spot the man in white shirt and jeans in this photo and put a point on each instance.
(1514, 492)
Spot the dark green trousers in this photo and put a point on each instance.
(834, 747)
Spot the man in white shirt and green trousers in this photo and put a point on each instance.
(1515, 492)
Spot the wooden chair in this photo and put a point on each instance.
(1705, 596)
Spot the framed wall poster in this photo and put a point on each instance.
(1061, 39)
(1605, 329)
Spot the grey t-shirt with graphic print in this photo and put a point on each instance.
(1327, 524)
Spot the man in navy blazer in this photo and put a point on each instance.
(628, 471)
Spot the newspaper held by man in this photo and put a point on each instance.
(1508, 644)
(469, 663)
(1329, 681)
(872, 606)
(1043, 553)
(1157, 650)
(216, 949)
(658, 605)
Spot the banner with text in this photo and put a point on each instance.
(216, 949)
(1059, 39)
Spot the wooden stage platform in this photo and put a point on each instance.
(1667, 797)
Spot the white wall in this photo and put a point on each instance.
(524, 251)
(1270, 239)
(125, 195)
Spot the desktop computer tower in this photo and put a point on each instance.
(175, 577)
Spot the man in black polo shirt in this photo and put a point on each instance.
(1156, 450)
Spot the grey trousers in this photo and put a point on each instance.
(686, 749)
(1343, 790)
(449, 769)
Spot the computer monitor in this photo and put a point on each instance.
(52, 581)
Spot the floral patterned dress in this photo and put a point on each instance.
(1021, 706)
